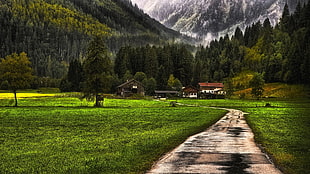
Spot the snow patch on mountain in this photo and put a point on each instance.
(211, 19)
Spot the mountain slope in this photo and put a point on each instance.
(54, 32)
(209, 19)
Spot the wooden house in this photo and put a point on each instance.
(212, 90)
(131, 88)
(190, 92)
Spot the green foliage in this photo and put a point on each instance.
(156, 62)
(127, 76)
(140, 76)
(174, 83)
(242, 79)
(75, 75)
(280, 53)
(55, 32)
(55, 14)
(16, 70)
(150, 62)
(65, 85)
(97, 70)
(257, 84)
(150, 86)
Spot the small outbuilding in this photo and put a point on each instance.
(130, 88)
(165, 94)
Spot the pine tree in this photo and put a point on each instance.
(162, 78)
(151, 62)
(97, 70)
(75, 75)
(286, 19)
(239, 36)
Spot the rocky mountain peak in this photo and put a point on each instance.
(210, 19)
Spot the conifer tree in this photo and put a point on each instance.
(151, 62)
(97, 70)
(285, 20)
(75, 75)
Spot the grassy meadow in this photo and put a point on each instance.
(283, 129)
(52, 132)
(62, 134)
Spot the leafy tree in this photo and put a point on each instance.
(174, 83)
(229, 87)
(127, 76)
(16, 70)
(97, 70)
(140, 76)
(257, 85)
(150, 85)
(65, 85)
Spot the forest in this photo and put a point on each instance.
(55, 32)
(280, 54)
(55, 35)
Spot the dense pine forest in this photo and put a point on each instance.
(280, 54)
(55, 35)
(55, 32)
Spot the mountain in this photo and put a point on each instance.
(55, 32)
(209, 19)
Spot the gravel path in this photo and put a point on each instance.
(226, 147)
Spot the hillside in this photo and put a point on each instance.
(277, 90)
(54, 32)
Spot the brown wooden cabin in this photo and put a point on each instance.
(130, 88)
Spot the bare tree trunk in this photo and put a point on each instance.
(97, 98)
(15, 97)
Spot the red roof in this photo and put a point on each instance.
(190, 89)
(216, 85)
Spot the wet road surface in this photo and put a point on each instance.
(227, 147)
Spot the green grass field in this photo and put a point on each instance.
(283, 129)
(65, 135)
(57, 133)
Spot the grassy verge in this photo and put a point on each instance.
(282, 129)
(285, 132)
(57, 135)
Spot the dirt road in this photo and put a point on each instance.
(226, 147)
